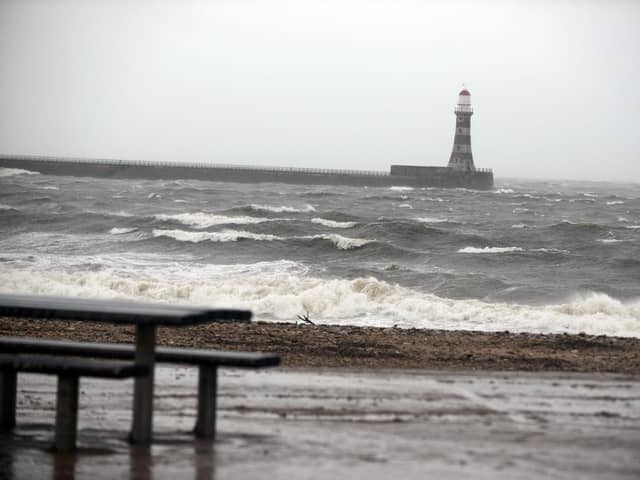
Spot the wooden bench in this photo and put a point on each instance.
(208, 362)
(68, 370)
(146, 318)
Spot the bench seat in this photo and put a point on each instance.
(69, 370)
(208, 362)
(191, 356)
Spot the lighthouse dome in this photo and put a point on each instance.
(464, 98)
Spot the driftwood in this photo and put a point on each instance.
(305, 318)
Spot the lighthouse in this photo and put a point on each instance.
(461, 156)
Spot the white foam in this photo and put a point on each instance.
(343, 243)
(490, 250)
(503, 190)
(154, 195)
(10, 172)
(281, 296)
(7, 207)
(120, 213)
(520, 210)
(122, 231)
(267, 208)
(431, 220)
(633, 227)
(50, 187)
(519, 225)
(332, 223)
(405, 205)
(550, 250)
(223, 236)
(615, 202)
(401, 189)
(204, 220)
(610, 240)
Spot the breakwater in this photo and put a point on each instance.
(414, 176)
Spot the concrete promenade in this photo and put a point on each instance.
(308, 424)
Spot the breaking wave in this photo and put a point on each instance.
(490, 250)
(122, 231)
(281, 209)
(204, 220)
(223, 236)
(10, 172)
(360, 301)
(343, 243)
(431, 220)
(332, 223)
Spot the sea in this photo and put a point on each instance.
(528, 256)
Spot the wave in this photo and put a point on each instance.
(11, 172)
(405, 205)
(281, 209)
(360, 301)
(119, 213)
(610, 240)
(332, 223)
(573, 227)
(431, 220)
(504, 190)
(7, 208)
(204, 220)
(401, 189)
(122, 231)
(343, 243)
(223, 236)
(633, 227)
(615, 202)
(490, 250)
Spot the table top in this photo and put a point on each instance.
(114, 311)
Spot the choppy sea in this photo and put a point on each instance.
(528, 256)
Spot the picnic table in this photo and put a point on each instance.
(145, 317)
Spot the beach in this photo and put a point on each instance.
(325, 346)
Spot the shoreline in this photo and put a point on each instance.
(320, 346)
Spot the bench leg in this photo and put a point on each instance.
(207, 400)
(142, 424)
(7, 400)
(66, 413)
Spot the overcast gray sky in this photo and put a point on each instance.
(336, 83)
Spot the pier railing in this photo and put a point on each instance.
(147, 163)
(252, 168)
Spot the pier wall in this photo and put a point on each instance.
(399, 175)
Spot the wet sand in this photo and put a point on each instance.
(343, 423)
(306, 345)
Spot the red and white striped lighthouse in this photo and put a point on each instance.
(461, 156)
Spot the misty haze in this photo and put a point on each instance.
(338, 84)
(426, 214)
